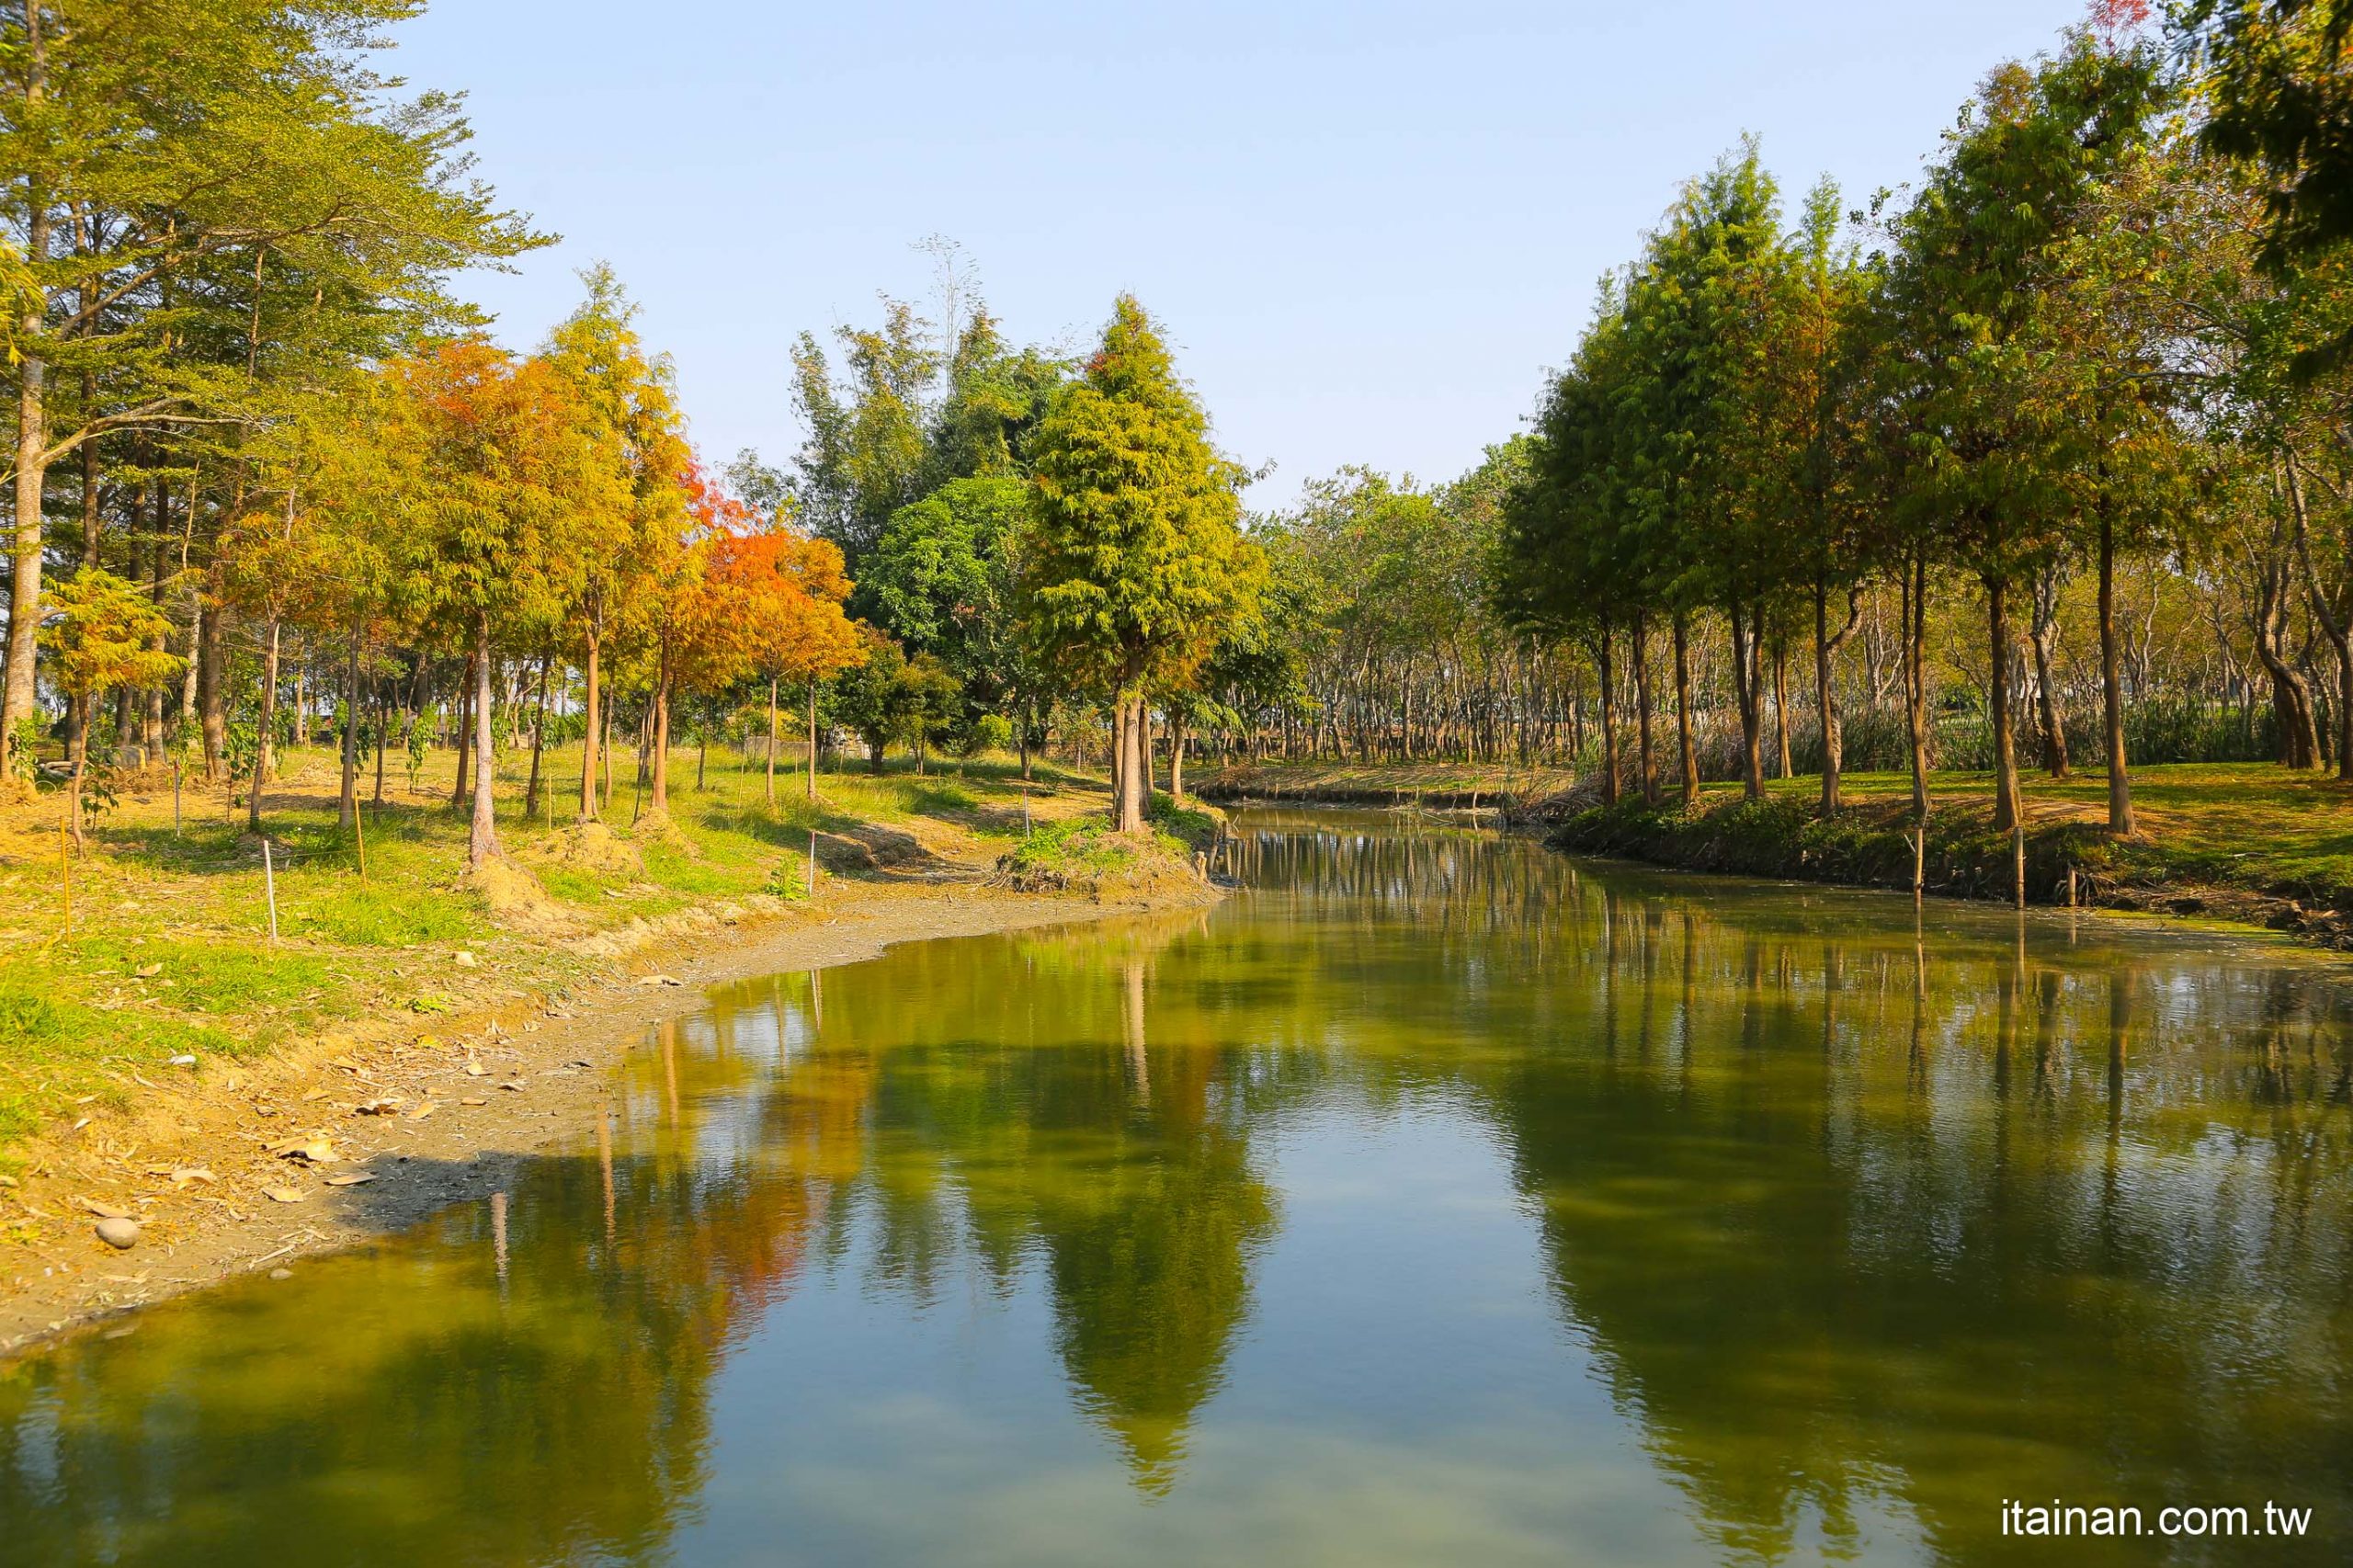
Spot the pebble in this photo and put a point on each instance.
(121, 1235)
(281, 1274)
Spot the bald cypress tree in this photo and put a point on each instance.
(1133, 560)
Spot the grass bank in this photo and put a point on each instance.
(1437, 785)
(168, 966)
(2243, 842)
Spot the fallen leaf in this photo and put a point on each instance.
(318, 1094)
(285, 1194)
(105, 1211)
(147, 972)
(389, 1106)
(316, 1151)
(516, 1087)
(192, 1174)
(424, 1108)
(350, 1178)
(474, 1069)
(473, 1102)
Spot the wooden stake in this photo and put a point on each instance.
(1025, 808)
(359, 835)
(2017, 862)
(1919, 864)
(269, 887)
(2071, 887)
(812, 863)
(65, 866)
(175, 797)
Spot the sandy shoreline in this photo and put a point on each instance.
(538, 1066)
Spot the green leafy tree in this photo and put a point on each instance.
(99, 630)
(1134, 555)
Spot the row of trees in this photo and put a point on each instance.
(2069, 348)
(263, 457)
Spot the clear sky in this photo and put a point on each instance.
(1368, 227)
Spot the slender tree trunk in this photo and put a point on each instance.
(813, 740)
(1750, 699)
(661, 737)
(1176, 757)
(2120, 779)
(32, 432)
(539, 741)
(1647, 755)
(151, 719)
(2336, 627)
(482, 843)
(1915, 681)
(211, 690)
(268, 727)
(347, 799)
(1609, 721)
(78, 744)
(2044, 636)
(771, 779)
(1827, 699)
(1688, 756)
(591, 731)
(383, 735)
(475, 677)
(2006, 813)
(1781, 707)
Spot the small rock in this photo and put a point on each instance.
(183, 1060)
(119, 1234)
(463, 960)
(281, 1274)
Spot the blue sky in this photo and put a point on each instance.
(1367, 228)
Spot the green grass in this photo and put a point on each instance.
(75, 1015)
(2245, 827)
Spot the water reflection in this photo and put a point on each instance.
(1149, 1240)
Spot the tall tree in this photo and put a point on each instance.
(1133, 554)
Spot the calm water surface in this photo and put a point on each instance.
(1433, 1201)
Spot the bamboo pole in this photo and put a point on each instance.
(359, 835)
(2018, 862)
(65, 880)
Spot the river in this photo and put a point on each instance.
(1435, 1200)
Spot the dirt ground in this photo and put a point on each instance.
(254, 1165)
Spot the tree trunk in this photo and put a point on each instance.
(32, 438)
(591, 731)
(1688, 759)
(2005, 764)
(268, 727)
(1647, 755)
(2119, 781)
(771, 779)
(1782, 705)
(383, 733)
(1826, 693)
(539, 741)
(347, 800)
(1750, 699)
(78, 744)
(211, 690)
(1609, 721)
(1176, 758)
(661, 738)
(813, 740)
(466, 705)
(2045, 638)
(482, 843)
(2338, 627)
(1915, 681)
